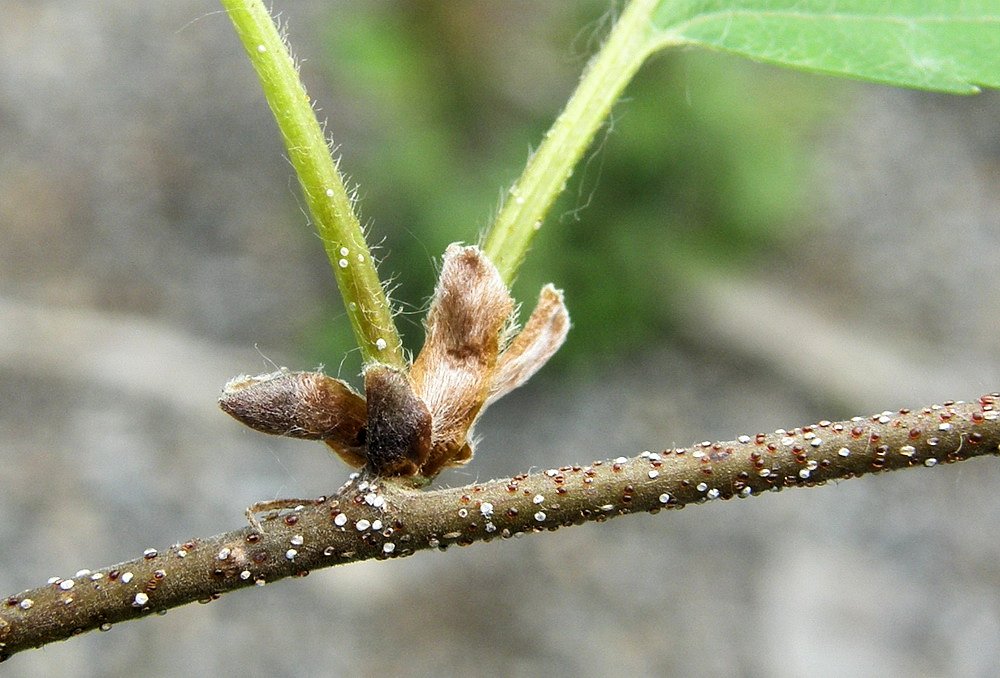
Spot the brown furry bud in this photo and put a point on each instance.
(399, 424)
(307, 405)
(416, 422)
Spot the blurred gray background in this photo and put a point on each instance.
(748, 249)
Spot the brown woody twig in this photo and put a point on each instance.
(371, 517)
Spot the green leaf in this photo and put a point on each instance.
(945, 45)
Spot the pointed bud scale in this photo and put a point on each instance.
(541, 337)
(453, 371)
(307, 405)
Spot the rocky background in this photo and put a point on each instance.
(152, 246)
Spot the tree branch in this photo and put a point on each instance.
(375, 518)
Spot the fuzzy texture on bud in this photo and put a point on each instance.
(307, 405)
(416, 422)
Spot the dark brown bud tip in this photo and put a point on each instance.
(307, 405)
(399, 423)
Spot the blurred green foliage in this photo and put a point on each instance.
(702, 169)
